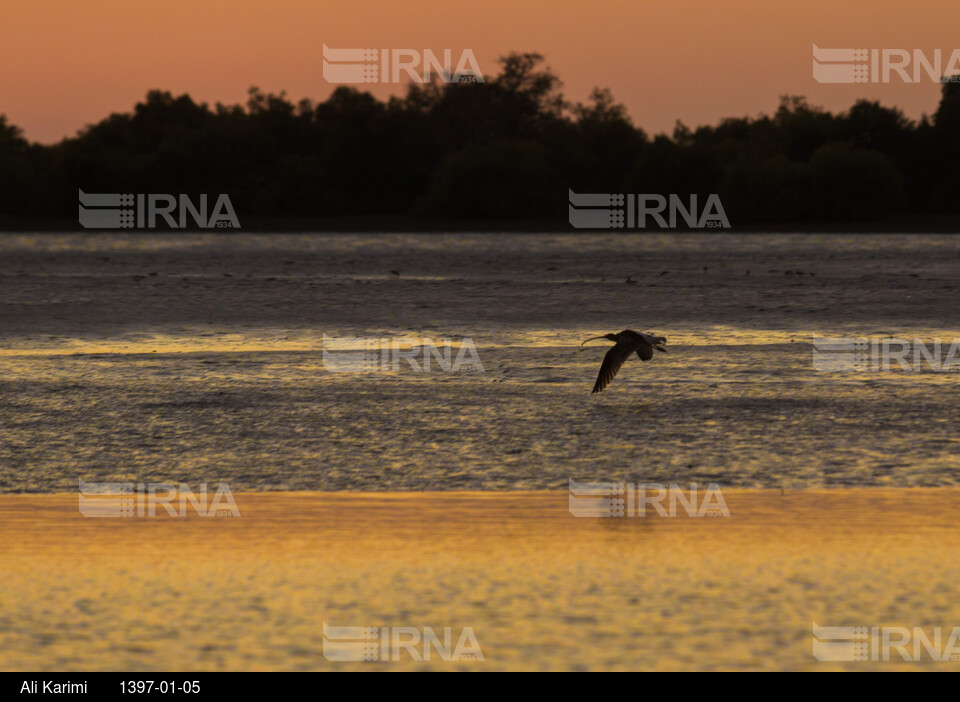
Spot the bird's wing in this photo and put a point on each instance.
(612, 362)
(644, 351)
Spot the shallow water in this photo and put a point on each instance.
(193, 358)
(539, 588)
(199, 359)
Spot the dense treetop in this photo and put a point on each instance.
(508, 147)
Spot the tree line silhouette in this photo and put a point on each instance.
(506, 148)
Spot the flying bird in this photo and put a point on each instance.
(625, 343)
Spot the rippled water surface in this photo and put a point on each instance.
(200, 358)
(540, 588)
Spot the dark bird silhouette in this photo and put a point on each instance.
(626, 342)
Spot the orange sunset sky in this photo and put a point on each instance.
(66, 63)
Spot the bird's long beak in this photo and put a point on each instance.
(592, 338)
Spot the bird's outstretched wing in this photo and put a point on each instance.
(612, 362)
(644, 351)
